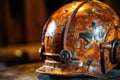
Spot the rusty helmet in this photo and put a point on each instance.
(81, 37)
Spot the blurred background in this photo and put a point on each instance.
(21, 23)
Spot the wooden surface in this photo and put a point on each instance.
(20, 72)
(27, 72)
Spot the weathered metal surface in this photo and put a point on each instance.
(112, 75)
(81, 38)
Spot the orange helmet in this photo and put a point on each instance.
(81, 37)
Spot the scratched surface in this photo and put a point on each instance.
(78, 38)
(27, 72)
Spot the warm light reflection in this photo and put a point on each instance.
(51, 29)
(81, 9)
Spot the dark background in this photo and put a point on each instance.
(21, 21)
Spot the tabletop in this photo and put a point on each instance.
(27, 72)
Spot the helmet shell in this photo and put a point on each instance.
(80, 39)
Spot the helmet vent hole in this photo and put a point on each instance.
(65, 56)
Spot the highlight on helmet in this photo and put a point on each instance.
(82, 37)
